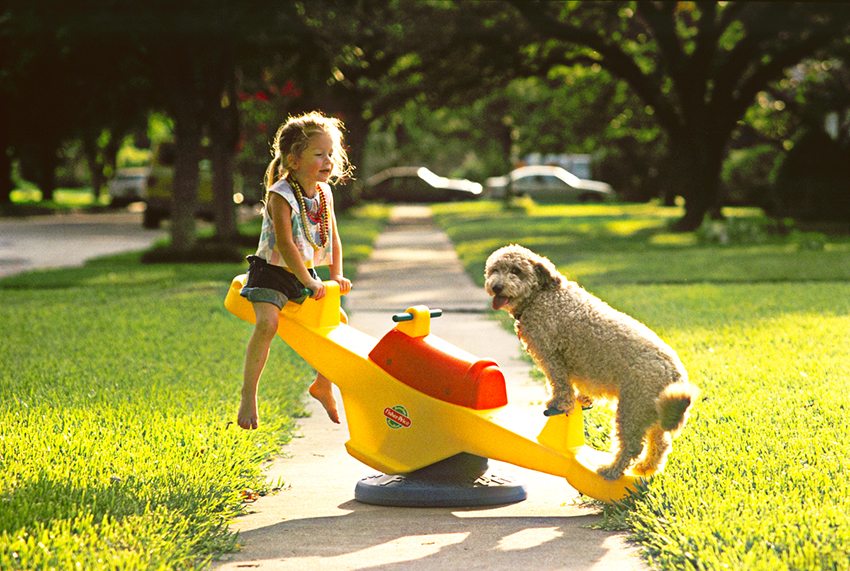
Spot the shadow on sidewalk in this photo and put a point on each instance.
(434, 539)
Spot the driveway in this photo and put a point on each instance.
(67, 240)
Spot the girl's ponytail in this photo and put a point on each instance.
(273, 171)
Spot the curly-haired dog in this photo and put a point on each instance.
(586, 349)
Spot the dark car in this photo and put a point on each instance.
(418, 184)
(549, 183)
(160, 187)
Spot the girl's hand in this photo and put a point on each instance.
(344, 284)
(318, 289)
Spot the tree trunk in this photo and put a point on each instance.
(6, 184)
(668, 182)
(110, 151)
(224, 134)
(46, 177)
(95, 166)
(695, 209)
(6, 138)
(222, 183)
(187, 132)
(694, 173)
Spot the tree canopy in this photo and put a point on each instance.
(507, 73)
(695, 66)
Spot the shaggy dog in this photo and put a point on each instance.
(588, 350)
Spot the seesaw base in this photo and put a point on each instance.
(459, 481)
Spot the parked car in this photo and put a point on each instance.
(160, 192)
(128, 185)
(418, 184)
(549, 184)
(161, 186)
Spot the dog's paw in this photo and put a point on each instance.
(644, 469)
(558, 406)
(585, 401)
(609, 472)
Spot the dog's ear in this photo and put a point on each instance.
(547, 277)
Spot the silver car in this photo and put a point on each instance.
(548, 184)
(129, 185)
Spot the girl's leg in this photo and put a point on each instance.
(255, 359)
(322, 391)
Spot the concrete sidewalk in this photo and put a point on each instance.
(69, 239)
(315, 523)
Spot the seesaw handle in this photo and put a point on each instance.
(305, 293)
(398, 317)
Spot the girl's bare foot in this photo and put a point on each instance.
(248, 417)
(322, 391)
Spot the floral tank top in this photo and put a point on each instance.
(313, 257)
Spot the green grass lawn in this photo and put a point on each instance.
(117, 391)
(759, 477)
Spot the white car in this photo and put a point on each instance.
(549, 184)
(129, 185)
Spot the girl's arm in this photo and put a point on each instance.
(336, 265)
(280, 212)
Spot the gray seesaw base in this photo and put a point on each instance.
(459, 481)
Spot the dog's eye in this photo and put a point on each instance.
(516, 271)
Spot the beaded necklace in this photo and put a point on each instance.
(322, 217)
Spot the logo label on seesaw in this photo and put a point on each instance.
(397, 417)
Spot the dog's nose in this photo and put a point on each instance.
(497, 289)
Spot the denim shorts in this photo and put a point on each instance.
(272, 284)
(264, 295)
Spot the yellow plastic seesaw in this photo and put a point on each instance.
(412, 399)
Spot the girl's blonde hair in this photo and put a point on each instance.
(292, 138)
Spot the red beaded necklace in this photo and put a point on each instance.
(321, 218)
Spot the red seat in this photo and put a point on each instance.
(441, 370)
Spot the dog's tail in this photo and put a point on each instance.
(673, 404)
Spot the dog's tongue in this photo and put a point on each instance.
(499, 301)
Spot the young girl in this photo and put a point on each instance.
(298, 234)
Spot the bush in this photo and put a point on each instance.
(752, 231)
(746, 174)
(628, 166)
(809, 241)
(813, 181)
(739, 231)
